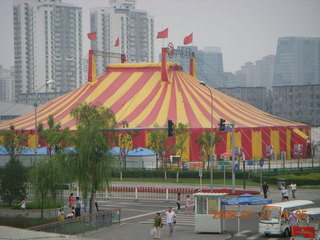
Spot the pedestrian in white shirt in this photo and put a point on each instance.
(293, 187)
(170, 220)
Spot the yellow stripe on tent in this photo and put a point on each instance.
(301, 134)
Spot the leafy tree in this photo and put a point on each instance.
(204, 142)
(44, 177)
(13, 140)
(54, 135)
(93, 164)
(13, 178)
(182, 133)
(157, 142)
(126, 142)
(13, 182)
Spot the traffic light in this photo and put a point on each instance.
(170, 128)
(222, 124)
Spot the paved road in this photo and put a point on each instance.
(137, 220)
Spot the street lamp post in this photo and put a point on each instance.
(35, 112)
(211, 140)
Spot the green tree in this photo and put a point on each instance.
(13, 178)
(204, 142)
(13, 182)
(182, 133)
(55, 136)
(44, 177)
(126, 142)
(13, 141)
(156, 141)
(92, 166)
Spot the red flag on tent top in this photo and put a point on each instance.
(188, 39)
(117, 42)
(92, 36)
(163, 34)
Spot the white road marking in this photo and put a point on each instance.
(142, 215)
(255, 236)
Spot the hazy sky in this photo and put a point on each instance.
(246, 30)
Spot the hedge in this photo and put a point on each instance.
(308, 176)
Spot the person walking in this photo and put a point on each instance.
(71, 200)
(170, 220)
(157, 224)
(178, 202)
(78, 207)
(23, 206)
(188, 204)
(293, 187)
(286, 194)
(265, 189)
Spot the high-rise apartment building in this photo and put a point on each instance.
(7, 84)
(134, 28)
(209, 63)
(47, 46)
(297, 61)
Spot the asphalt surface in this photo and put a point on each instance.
(137, 219)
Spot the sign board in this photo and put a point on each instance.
(250, 162)
(200, 173)
(236, 168)
(297, 149)
(261, 162)
(185, 165)
(269, 151)
(227, 128)
(302, 232)
(175, 159)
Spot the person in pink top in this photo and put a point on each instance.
(188, 204)
(71, 200)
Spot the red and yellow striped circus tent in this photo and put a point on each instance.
(141, 96)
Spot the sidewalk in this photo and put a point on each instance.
(142, 232)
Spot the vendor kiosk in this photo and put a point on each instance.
(207, 208)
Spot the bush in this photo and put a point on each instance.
(141, 173)
(37, 205)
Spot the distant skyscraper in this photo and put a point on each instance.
(209, 63)
(297, 61)
(6, 84)
(47, 45)
(260, 73)
(134, 28)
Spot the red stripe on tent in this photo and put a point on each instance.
(152, 116)
(132, 92)
(172, 113)
(282, 139)
(108, 92)
(142, 105)
(192, 119)
(265, 134)
(246, 139)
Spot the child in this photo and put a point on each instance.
(188, 204)
(60, 215)
(71, 214)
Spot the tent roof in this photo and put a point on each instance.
(136, 94)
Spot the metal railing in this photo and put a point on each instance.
(82, 224)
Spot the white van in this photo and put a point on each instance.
(312, 219)
(273, 220)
